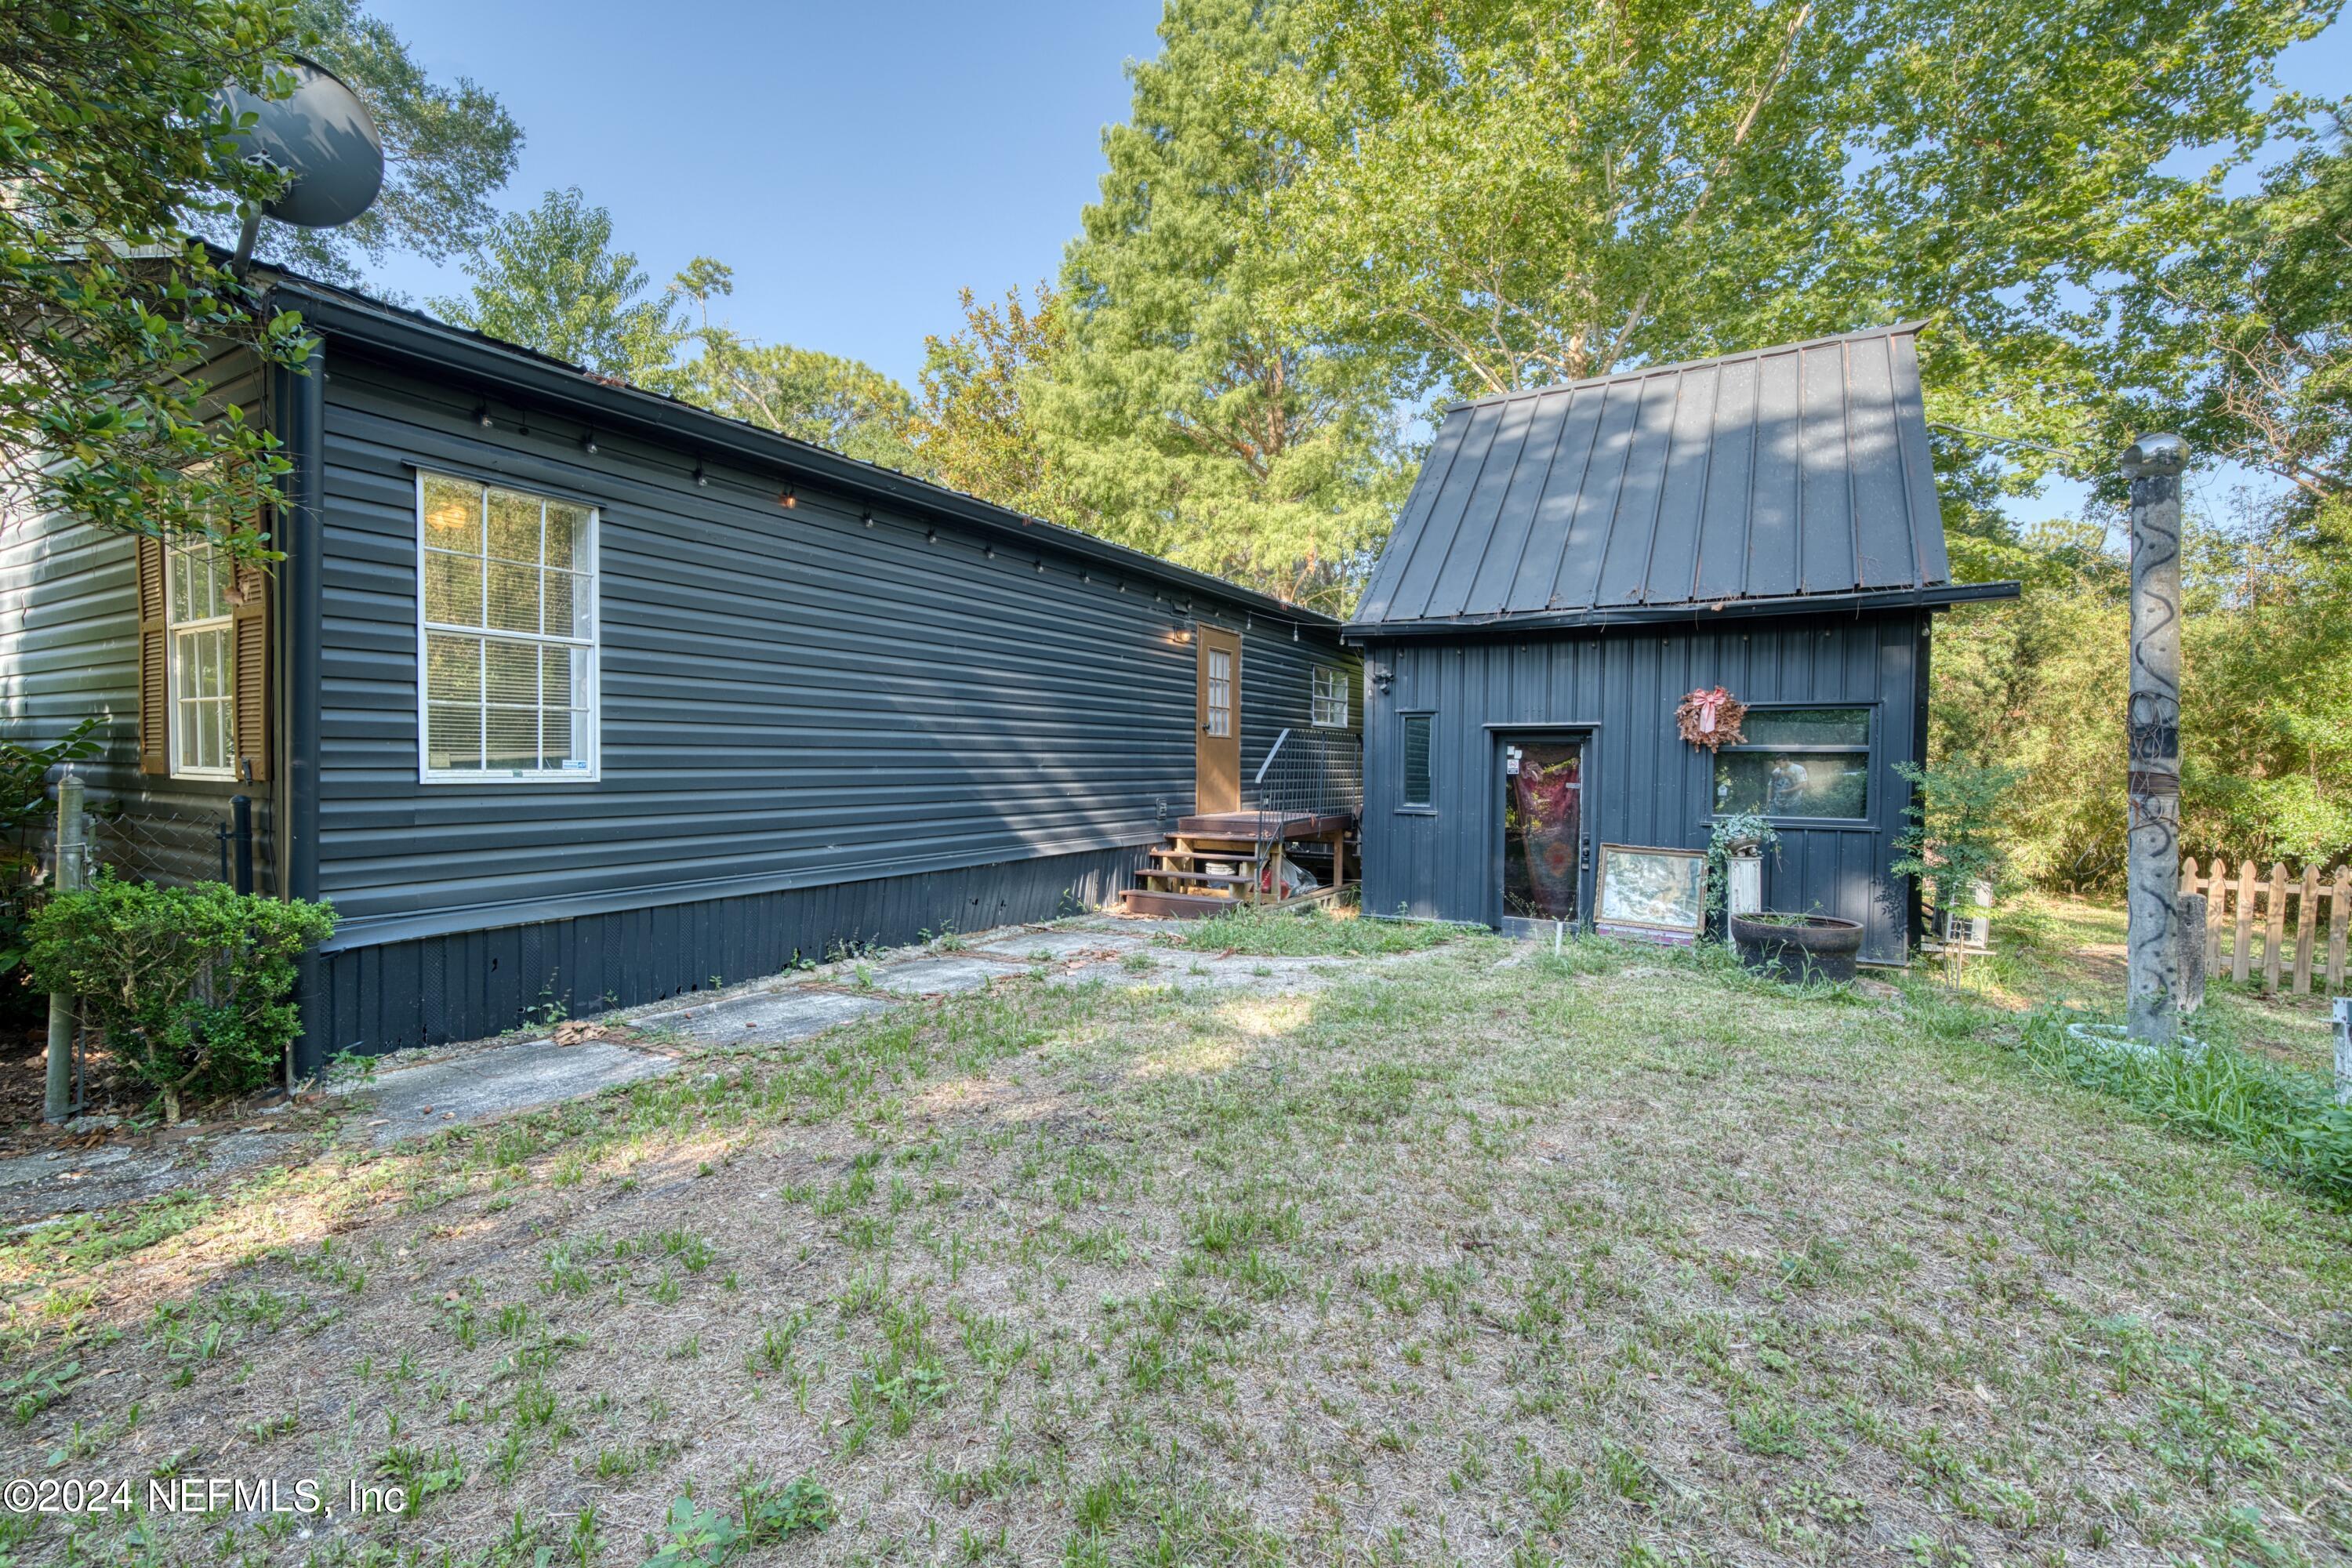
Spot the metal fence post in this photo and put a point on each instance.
(57, 1101)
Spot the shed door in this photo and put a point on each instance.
(1217, 765)
(1543, 829)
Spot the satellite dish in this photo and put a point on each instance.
(323, 137)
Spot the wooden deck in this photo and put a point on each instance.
(1215, 860)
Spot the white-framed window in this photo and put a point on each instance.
(1221, 692)
(1334, 694)
(506, 630)
(200, 646)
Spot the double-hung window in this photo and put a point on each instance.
(507, 633)
(1331, 698)
(202, 652)
(1798, 761)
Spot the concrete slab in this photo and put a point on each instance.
(778, 1016)
(475, 1084)
(34, 1188)
(949, 972)
(1056, 946)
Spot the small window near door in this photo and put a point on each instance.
(1333, 692)
(1798, 761)
(1417, 787)
(1221, 693)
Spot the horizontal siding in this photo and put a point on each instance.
(471, 983)
(791, 698)
(1646, 784)
(70, 650)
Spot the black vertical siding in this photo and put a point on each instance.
(1646, 785)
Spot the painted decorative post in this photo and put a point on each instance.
(2153, 464)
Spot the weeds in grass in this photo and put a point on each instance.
(1310, 934)
(2282, 1117)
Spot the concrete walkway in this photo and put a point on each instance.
(416, 1094)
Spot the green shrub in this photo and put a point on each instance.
(192, 985)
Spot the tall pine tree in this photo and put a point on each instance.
(1182, 416)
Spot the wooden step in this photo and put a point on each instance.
(1212, 879)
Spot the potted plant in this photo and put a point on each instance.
(1799, 949)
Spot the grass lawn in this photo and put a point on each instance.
(1474, 1255)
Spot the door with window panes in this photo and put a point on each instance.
(1217, 762)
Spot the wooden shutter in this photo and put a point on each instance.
(154, 681)
(249, 635)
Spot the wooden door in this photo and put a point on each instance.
(1217, 760)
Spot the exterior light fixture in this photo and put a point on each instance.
(482, 415)
(788, 499)
(701, 480)
(588, 442)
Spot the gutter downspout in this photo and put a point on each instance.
(301, 398)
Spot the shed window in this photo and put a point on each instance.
(1333, 692)
(507, 631)
(1416, 789)
(203, 665)
(1798, 761)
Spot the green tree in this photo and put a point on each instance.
(844, 404)
(446, 148)
(978, 424)
(550, 279)
(1498, 193)
(112, 144)
(1185, 417)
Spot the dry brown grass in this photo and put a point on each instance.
(1476, 1257)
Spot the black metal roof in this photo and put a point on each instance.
(1785, 479)
(482, 362)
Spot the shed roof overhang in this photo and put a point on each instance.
(484, 364)
(1943, 596)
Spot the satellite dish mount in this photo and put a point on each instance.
(322, 139)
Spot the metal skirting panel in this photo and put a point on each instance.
(468, 984)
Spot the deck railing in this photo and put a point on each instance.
(1309, 772)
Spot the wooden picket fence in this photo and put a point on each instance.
(2246, 921)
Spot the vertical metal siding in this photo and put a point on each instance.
(467, 983)
(1647, 785)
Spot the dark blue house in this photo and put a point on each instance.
(1574, 559)
(569, 695)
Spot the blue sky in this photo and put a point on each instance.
(855, 164)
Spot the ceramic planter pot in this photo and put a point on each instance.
(1798, 948)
